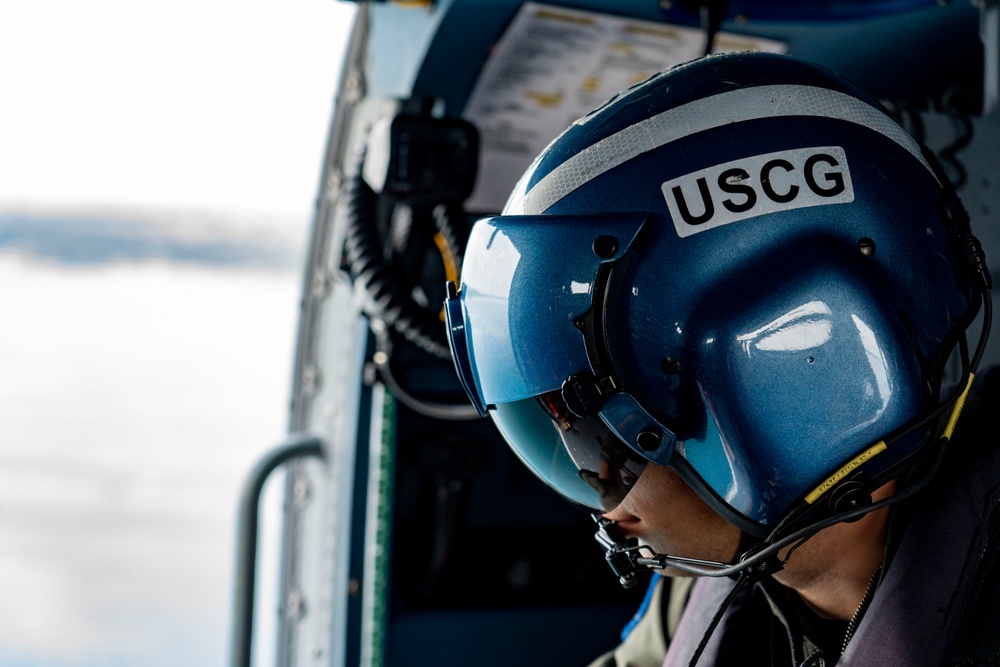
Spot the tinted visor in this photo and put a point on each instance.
(577, 456)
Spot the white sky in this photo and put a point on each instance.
(187, 104)
(214, 104)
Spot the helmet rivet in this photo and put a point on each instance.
(648, 440)
(670, 365)
(605, 246)
(866, 246)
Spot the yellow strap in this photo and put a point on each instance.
(447, 257)
(880, 446)
(450, 265)
(830, 481)
(957, 410)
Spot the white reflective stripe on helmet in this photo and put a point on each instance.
(735, 106)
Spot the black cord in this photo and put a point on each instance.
(389, 299)
(711, 13)
(733, 592)
(432, 409)
(964, 132)
(977, 357)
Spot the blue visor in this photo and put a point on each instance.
(579, 457)
(515, 339)
(526, 279)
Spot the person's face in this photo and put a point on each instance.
(667, 516)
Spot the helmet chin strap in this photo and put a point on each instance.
(627, 558)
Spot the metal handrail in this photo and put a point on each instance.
(246, 539)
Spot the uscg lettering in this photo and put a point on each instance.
(758, 185)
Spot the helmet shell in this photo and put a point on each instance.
(788, 292)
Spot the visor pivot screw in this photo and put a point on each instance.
(648, 441)
(866, 246)
(670, 365)
(605, 246)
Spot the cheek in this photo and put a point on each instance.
(678, 520)
(660, 492)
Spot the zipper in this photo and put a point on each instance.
(776, 612)
(865, 601)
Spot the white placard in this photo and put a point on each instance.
(552, 66)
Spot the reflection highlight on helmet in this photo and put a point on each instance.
(878, 363)
(803, 328)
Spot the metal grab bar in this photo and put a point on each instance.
(246, 539)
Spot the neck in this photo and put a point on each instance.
(832, 571)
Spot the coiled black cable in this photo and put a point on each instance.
(389, 299)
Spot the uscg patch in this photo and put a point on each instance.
(758, 185)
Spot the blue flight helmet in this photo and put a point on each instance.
(742, 268)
